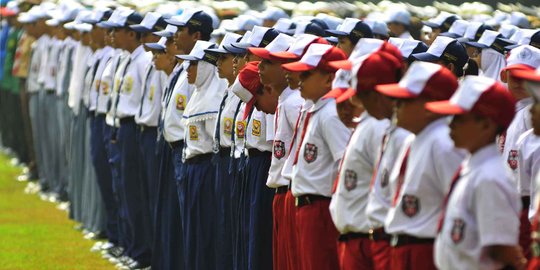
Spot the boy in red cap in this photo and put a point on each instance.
(349, 202)
(321, 145)
(479, 222)
(424, 166)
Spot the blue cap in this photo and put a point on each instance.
(445, 48)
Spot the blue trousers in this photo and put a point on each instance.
(104, 176)
(195, 191)
(132, 194)
(146, 141)
(223, 196)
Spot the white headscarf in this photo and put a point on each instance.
(209, 90)
(491, 64)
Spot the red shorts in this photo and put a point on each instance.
(317, 236)
(279, 240)
(292, 237)
(525, 233)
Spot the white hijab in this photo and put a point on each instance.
(209, 90)
(492, 62)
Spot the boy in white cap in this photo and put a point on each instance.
(421, 177)
(398, 23)
(479, 221)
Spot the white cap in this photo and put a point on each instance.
(331, 21)
(488, 37)
(365, 46)
(377, 27)
(148, 21)
(519, 19)
(524, 55)
(243, 23)
(82, 17)
(281, 43)
(257, 35)
(418, 75)
(405, 46)
(118, 18)
(459, 27)
(400, 16)
(285, 25)
(439, 45)
(526, 36)
(197, 53)
(300, 44)
(229, 39)
(274, 14)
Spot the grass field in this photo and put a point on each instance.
(35, 235)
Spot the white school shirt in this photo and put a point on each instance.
(431, 164)
(132, 85)
(406, 35)
(151, 101)
(260, 131)
(380, 196)
(106, 54)
(76, 83)
(173, 126)
(52, 64)
(483, 210)
(349, 202)
(65, 65)
(106, 80)
(321, 150)
(520, 124)
(88, 78)
(111, 119)
(240, 132)
(38, 49)
(92, 94)
(528, 147)
(287, 170)
(289, 104)
(44, 61)
(227, 119)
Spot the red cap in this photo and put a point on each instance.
(482, 96)
(372, 48)
(7, 12)
(298, 48)
(377, 68)
(529, 75)
(317, 56)
(247, 84)
(524, 57)
(422, 79)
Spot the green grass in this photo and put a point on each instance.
(35, 235)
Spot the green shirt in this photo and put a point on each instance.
(9, 82)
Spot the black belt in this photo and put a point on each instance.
(352, 236)
(100, 115)
(403, 239)
(379, 235)
(256, 152)
(526, 202)
(199, 158)
(224, 151)
(309, 199)
(143, 128)
(127, 120)
(176, 144)
(282, 189)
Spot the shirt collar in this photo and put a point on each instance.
(285, 94)
(137, 52)
(523, 103)
(321, 103)
(479, 157)
(432, 126)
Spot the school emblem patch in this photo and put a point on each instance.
(128, 85)
(279, 149)
(410, 205)
(384, 178)
(310, 152)
(105, 88)
(180, 102)
(98, 82)
(193, 134)
(458, 229)
(512, 159)
(227, 125)
(350, 180)
(151, 94)
(240, 129)
(256, 129)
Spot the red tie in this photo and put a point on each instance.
(378, 164)
(401, 177)
(304, 129)
(447, 197)
(276, 119)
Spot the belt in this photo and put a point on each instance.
(309, 199)
(282, 189)
(198, 159)
(224, 151)
(176, 144)
(142, 128)
(256, 152)
(379, 235)
(403, 239)
(526, 202)
(100, 115)
(126, 120)
(352, 236)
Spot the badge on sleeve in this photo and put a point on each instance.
(310, 152)
(279, 149)
(151, 94)
(350, 180)
(105, 88)
(410, 205)
(458, 229)
(98, 82)
(256, 128)
(240, 129)
(227, 125)
(513, 159)
(180, 102)
(193, 134)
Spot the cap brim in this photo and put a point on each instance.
(260, 52)
(529, 75)
(163, 33)
(242, 46)
(140, 29)
(341, 94)
(175, 22)
(107, 25)
(452, 35)
(430, 24)
(297, 67)
(234, 50)
(155, 46)
(476, 44)
(284, 56)
(514, 68)
(425, 56)
(336, 33)
(511, 47)
(444, 107)
(394, 90)
(341, 64)
(218, 50)
(332, 39)
(187, 57)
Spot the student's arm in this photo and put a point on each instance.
(509, 256)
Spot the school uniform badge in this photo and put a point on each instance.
(128, 85)
(458, 229)
(384, 178)
(350, 180)
(513, 159)
(98, 82)
(105, 88)
(310, 152)
(193, 134)
(279, 149)
(240, 129)
(256, 129)
(151, 94)
(180, 102)
(227, 125)
(410, 205)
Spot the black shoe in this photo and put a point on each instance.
(138, 266)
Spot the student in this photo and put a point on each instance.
(399, 21)
(425, 166)
(439, 24)
(491, 59)
(471, 234)
(321, 146)
(196, 185)
(447, 52)
(349, 33)
(349, 202)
